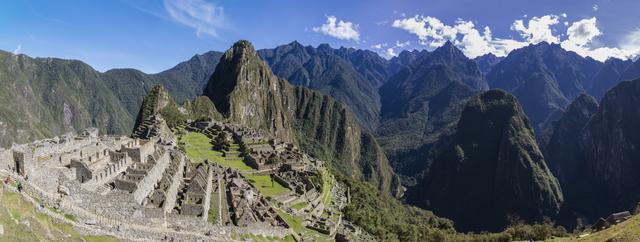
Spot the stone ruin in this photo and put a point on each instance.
(272, 154)
(247, 206)
(152, 177)
(195, 192)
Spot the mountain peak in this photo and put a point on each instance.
(241, 49)
(449, 52)
(495, 155)
(324, 46)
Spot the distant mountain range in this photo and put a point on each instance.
(415, 119)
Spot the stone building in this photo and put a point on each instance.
(139, 149)
(195, 194)
(101, 166)
(247, 206)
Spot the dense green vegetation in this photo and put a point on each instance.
(495, 162)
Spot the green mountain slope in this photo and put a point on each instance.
(492, 170)
(44, 97)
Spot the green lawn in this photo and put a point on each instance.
(327, 184)
(256, 238)
(198, 148)
(295, 223)
(299, 206)
(626, 231)
(266, 187)
(14, 210)
(214, 207)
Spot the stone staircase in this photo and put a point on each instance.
(148, 128)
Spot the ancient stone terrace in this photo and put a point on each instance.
(154, 127)
(272, 155)
(164, 194)
(247, 206)
(195, 193)
(297, 181)
(140, 178)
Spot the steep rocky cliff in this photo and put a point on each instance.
(245, 91)
(491, 170)
(611, 141)
(608, 77)
(564, 152)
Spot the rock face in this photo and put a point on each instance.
(487, 62)
(422, 101)
(594, 154)
(491, 170)
(608, 77)
(611, 139)
(349, 75)
(245, 91)
(564, 152)
(544, 77)
(632, 72)
(157, 113)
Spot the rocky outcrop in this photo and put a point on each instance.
(611, 141)
(491, 170)
(246, 92)
(564, 152)
(608, 77)
(487, 62)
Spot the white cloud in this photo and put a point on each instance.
(595, 7)
(582, 32)
(17, 50)
(564, 15)
(580, 40)
(378, 46)
(631, 43)
(537, 29)
(427, 28)
(339, 29)
(434, 33)
(402, 44)
(579, 37)
(203, 16)
(390, 53)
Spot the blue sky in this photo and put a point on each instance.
(155, 35)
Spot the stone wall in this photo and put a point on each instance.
(6, 159)
(207, 197)
(138, 149)
(172, 192)
(146, 185)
